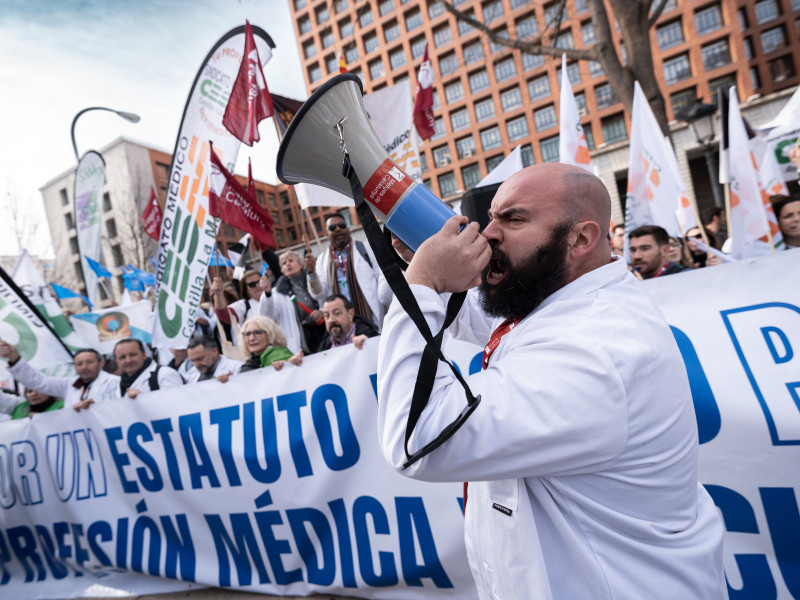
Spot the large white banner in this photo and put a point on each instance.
(274, 482)
(187, 229)
(102, 329)
(90, 177)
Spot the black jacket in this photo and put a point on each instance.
(363, 327)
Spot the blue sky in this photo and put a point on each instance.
(60, 56)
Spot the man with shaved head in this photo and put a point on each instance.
(581, 456)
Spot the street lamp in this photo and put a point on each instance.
(128, 116)
(701, 117)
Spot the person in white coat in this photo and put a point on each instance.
(349, 267)
(581, 455)
(208, 363)
(92, 385)
(141, 374)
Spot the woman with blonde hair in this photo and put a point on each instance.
(264, 344)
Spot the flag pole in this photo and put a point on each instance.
(216, 247)
(727, 188)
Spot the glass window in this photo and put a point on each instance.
(385, 7)
(413, 20)
(484, 110)
(345, 28)
(473, 53)
(680, 101)
(742, 18)
(490, 138)
(365, 16)
(587, 33)
(106, 202)
(772, 39)
(435, 9)
(459, 119)
(721, 83)
(580, 6)
(391, 31)
(423, 162)
(298, 4)
(442, 35)
(371, 42)
(323, 14)
(580, 101)
(527, 155)
(614, 128)
(766, 10)
(441, 156)
(573, 72)
(492, 10)
(517, 128)
(539, 87)
(549, 148)
(495, 47)
(465, 147)
(327, 38)
(511, 99)
(453, 92)
(795, 4)
(471, 175)
(748, 48)
(545, 118)
(492, 162)
(397, 58)
(463, 27)
(439, 127)
(781, 69)
(595, 70)
(505, 69)
(304, 25)
(531, 61)
(669, 35)
(332, 63)
(517, 3)
(418, 47)
(716, 55)
(588, 134)
(376, 69)
(754, 79)
(677, 69)
(448, 63)
(309, 49)
(478, 81)
(351, 53)
(314, 73)
(604, 96)
(341, 5)
(527, 27)
(447, 184)
(554, 13)
(436, 104)
(565, 41)
(708, 19)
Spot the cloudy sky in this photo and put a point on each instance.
(60, 56)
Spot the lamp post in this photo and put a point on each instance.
(133, 118)
(701, 117)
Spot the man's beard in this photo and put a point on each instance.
(525, 286)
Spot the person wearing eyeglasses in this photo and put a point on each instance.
(264, 345)
(349, 268)
(252, 288)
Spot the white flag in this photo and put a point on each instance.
(771, 182)
(653, 192)
(748, 219)
(572, 147)
(507, 167)
(685, 211)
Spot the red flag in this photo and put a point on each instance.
(151, 217)
(423, 105)
(249, 102)
(342, 64)
(237, 206)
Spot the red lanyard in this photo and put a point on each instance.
(497, 335)
(660, 271)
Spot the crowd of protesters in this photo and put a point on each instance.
(315, 304)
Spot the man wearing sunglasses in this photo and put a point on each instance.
(349, 268)
(581, 455)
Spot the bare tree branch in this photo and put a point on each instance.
(656, 12)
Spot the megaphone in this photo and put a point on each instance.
(334, 120)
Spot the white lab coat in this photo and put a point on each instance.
(105, 387)
(167, 378)
(224, 365)
(280, 309)
(582, 454)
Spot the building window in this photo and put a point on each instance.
(564, 41)
(385, 7)
(670, 35)
(323, 14)
(539, 88)
(478, 81)
(531, 61)
(772, 39)
(495, 47)
(447, 184)
(580, 6)
(781, 69)
(518, 3)
(604, 96)
(573, 72)
(492, 10)
(309, 49)
(442, 35)
(376, 69)
(304, 25)
(766, 10)
(454, 92)
(441, 156)
(116, 255)
(327, 38)
(748, 48)
(391, 31)
(463, 27)
(106, 202)
(471, 176)
(435, 9)
(111, 228)
(614, 128)
(554, 13)
(73, 246)
(439, 130)
(493, 161)
(351, 53)
(595, 70)
(549, 148)
(418, 47)
(413, 20)
(341, 5)
(527, 27)
(298, 4)
(588, 135)
(448, 64)
(436, 104)
(459, 119)
(680, 101)
(423, 162)
(527, 155)
(511, 99)
(484, 110)
(371, 43)
(332, 64)
(518, 128)
(473, 53)
(397, 58)
(708, 20)
(677, 69)
(716, 55)
(365, 16)
(490, 138)
(505, 69)
(314, 73)
(465, 147)
(587, 33)
(580, 102)
(69, 221)
(754, 79)
(545, 118)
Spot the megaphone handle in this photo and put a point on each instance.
(433, 347)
